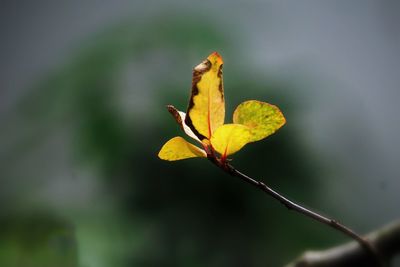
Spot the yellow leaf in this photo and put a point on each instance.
(177, 148)
(262, 118)
(206, 110)
(230, 138)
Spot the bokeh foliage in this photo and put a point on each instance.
(110, 100)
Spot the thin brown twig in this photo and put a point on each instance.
(386, 239)
(368, 247)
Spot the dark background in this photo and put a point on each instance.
(83, 89)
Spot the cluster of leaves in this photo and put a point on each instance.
(204, 120)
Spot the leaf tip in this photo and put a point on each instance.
(215, 57)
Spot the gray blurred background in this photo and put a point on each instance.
(83, 89)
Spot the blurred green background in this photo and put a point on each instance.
(83, 89)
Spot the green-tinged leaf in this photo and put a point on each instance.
(262, 118)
